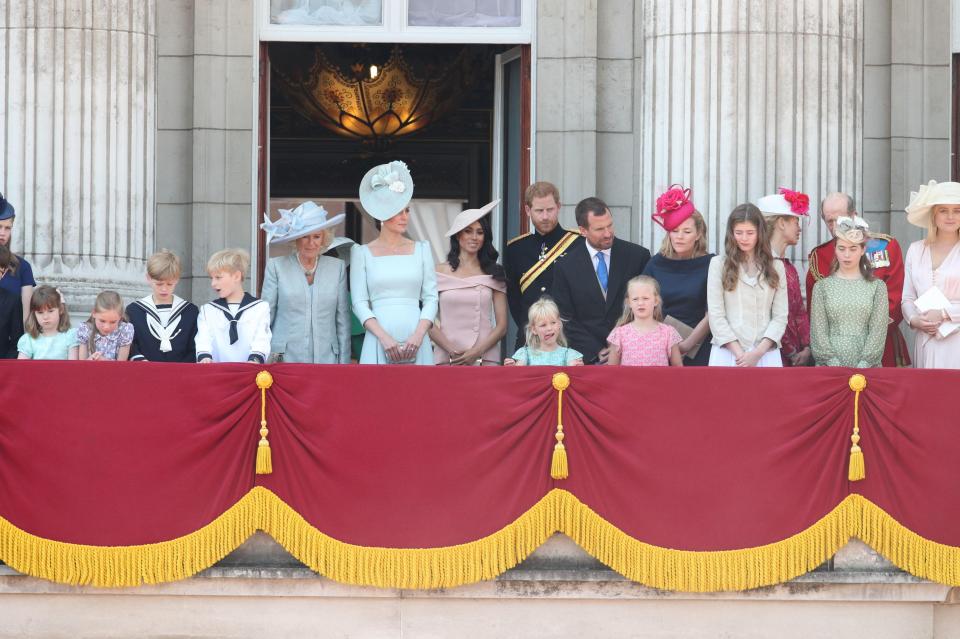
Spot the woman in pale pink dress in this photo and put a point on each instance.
(473, 295)
(932, 267)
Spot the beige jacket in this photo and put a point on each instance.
(748, 313)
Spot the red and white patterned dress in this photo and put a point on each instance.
(644, 349)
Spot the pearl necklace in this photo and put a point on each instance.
(307, 272)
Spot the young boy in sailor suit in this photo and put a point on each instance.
(236, 326)
(164, 325)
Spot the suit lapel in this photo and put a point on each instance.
(592, 282)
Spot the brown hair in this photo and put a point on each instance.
(44, 298)
(762, 255)
(540, 189)
(7, 259)
(627, 315)
(699, 247)
(866, 268)
(587, 207)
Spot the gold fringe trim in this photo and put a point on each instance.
(485, 558)
(120, 566)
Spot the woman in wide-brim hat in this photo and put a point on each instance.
(17, 278)
(784, 212)
(931, 285)
(680, 269)
(306, 290)
(473, 294)
(392, 279)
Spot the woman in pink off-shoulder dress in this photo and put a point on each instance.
(473, 295)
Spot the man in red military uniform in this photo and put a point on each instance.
(884, 254)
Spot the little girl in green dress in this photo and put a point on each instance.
(849, 310)
(546, 345)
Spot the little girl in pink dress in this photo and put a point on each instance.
(640, 339)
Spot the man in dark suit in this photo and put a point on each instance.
(590, 282)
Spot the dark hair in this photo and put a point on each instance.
(762, 255)
(866, 268)
(7, 259)
(487, 255)
(585, 207)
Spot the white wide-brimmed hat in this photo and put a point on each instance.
(468, 217)
(786, 202)
(929, 195)
(295, 223)
(342, 246)
(386, 190)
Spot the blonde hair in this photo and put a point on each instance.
(627, 315)
(325, 243)
(230, 261)
(106, 301)
(543, 308)
(932, 230)
(44, 298)
(163, 265)
(699, 247)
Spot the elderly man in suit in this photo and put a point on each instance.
(589, 284)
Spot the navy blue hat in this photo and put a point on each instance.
(6, 209)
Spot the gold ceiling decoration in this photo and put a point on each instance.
(369, 101)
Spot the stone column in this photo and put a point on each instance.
(77, 139)
(740, 98)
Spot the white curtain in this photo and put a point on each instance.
(464, 13)
(326, 12)
(430, 219)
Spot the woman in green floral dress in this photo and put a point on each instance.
(849, 315)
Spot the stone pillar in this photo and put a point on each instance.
(78, 140)
(741, 98)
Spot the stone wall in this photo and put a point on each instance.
(206, 68)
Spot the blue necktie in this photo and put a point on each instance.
(602, 271)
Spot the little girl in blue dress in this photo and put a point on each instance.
(48, 334)
(546, 344)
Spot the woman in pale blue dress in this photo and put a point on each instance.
(392, 279)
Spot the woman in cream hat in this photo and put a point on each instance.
(392, 279)
(307, 291)
(931, 286)
(849, 310)
(783, 213)
(473, 294)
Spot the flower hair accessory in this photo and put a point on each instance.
(673, 207)
(852, 229)
(799, 202)
(388, 175)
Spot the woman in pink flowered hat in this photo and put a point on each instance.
(680, 269)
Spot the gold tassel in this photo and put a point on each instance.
(857, 469)
(264, 458)
(558, 465)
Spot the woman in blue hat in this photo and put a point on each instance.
(306, 290)
(18, 278)
(392, 279)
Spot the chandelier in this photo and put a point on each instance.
(372, 93)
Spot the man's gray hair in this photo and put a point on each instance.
(851, 206)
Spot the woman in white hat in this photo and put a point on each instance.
(306, 290)
(392, 279)
(931, 285)
(849, 309)
(473, 294)
(783, 213)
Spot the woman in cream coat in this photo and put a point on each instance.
(307, 291)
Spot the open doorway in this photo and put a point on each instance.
(464, 131)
